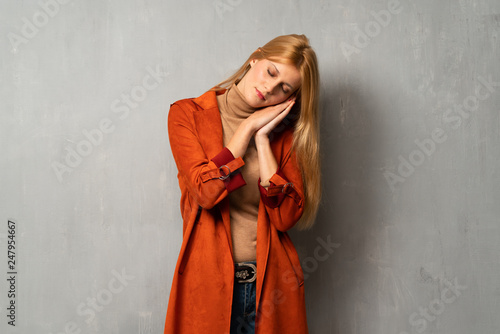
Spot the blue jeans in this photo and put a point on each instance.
(243, 310)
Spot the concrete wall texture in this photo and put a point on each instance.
(407, 239)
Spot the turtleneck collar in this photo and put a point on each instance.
(234, 103)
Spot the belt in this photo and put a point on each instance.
(245, 272)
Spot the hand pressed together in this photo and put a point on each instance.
(277, 113)
(259, 124)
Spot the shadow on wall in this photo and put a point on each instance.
(333, 253)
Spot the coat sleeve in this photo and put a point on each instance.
(284, 198)
(207, 180)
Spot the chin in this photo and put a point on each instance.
(254, 105)
(261, 105)
(255, 102)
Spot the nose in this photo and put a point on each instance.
(271, 86)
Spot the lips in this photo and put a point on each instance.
(259, 94)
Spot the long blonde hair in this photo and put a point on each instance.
(295, 49)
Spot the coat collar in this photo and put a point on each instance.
(208, 99)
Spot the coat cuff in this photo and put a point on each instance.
(274, 194)
(233, 178)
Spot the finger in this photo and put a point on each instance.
(281, 106)
(289, 106)
(281, 116)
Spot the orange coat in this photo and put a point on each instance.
(202, 288)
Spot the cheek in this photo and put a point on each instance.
(277, 100)
(252, 78)
(261, 72)
(259, 76)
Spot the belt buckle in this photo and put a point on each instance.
(245, 272)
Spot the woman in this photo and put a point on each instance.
(247, 174)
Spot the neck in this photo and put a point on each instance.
(236, 104)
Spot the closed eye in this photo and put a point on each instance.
(282, 87)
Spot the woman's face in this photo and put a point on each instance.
(268, 83)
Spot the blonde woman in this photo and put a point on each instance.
(247, 153)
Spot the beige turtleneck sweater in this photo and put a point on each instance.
(244, 201)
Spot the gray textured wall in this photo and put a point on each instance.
(407, 239)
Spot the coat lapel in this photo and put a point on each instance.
(208, 124)
(209, 130)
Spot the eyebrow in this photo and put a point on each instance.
(286, 83)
